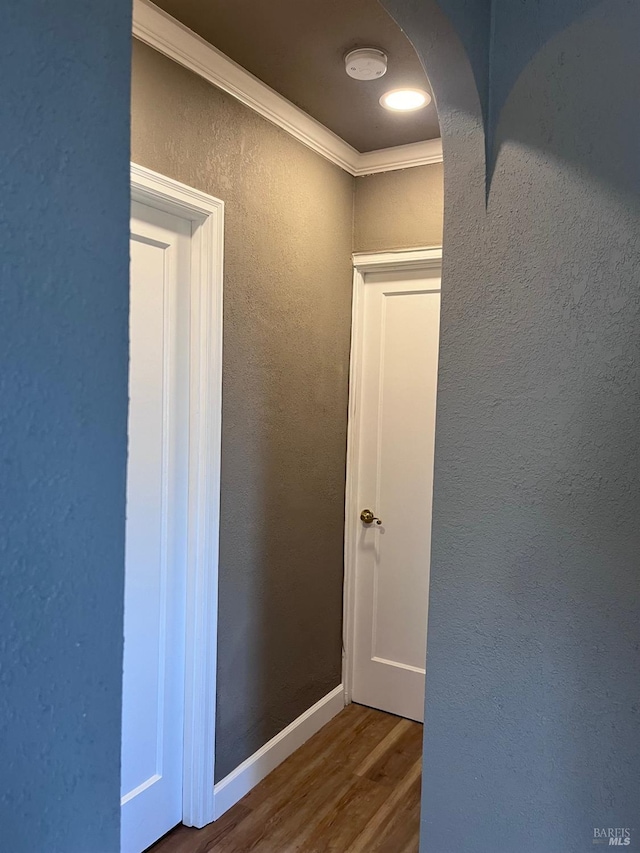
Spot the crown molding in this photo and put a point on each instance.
(159, 30)
(398, 157)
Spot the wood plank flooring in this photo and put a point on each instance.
(352, 788)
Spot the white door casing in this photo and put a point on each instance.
(173, 506)
(396, 311)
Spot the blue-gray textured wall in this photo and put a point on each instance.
(532, 731)
(64, 207)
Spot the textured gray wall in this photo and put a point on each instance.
(532, 731)
(64, 305)
(286, 348)
(398, 210)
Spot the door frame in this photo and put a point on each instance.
(364, 262)
(206, 215)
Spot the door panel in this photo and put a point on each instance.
(396, 425)
(155, 568)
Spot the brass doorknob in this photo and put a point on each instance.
(368, 517)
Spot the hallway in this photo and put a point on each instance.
(352, 788)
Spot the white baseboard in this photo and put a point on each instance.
(240, 781)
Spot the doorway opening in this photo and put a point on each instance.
(173, 493)
(292, 200)
(390, 450)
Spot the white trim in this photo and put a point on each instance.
(398, 157)
(158, 29)
(205, 416)
(363, 262)
(245, 777)
(427, 257)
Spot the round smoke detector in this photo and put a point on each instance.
(366, 63)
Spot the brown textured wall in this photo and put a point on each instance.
(399, 210)
(286, 349)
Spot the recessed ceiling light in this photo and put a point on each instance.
(405, 100)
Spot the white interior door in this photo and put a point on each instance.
(393, 437)
(156, 528)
